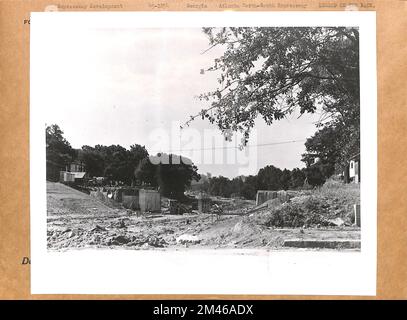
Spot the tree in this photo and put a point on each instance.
(348, 137)
(205, 185)
(58, 151)
(94, 161)
(270, 72)
(314, 175)
(297, 178)
(322, 149)
(331, 147)
(136, 154)
(249, 189)
(269, 178)
(220, 186)
(172, 178)
(115, 162)
(285, 179)
(145, 173)
(236, 186)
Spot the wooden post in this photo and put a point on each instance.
(356, 210)
(346, 176)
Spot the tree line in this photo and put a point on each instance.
(268, 178)
(133, 166)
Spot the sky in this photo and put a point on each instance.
(137, 86)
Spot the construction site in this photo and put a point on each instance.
(247, 139)
(327, 218)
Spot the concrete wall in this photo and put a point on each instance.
(204, 205)
(131, 198)
(66, 177)
(265, 195)
(150, 201)
(118, 195)
(131, 202)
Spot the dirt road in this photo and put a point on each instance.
(76, 220)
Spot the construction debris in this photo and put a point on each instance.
(188, 238)
(77, 220)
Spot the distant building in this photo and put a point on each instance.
(354, 168)
(72, 177)
(75, 166)
(74, 173)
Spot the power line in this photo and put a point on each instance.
(234, 147)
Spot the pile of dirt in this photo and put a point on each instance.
(330, 205)
(101, 237)
(234, 232)
(138, 241)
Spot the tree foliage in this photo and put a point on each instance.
(129, 166)
(172, 177)
(114, 162)
(314, 175)
(322, 150)
(58, 151)
(94, 161)
(220, 186)
(268, 178)
(331, 147)
(57, 147)
(270, 72)
(297, 178)
(249, 189)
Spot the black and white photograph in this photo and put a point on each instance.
(242, 140)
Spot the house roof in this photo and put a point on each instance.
(78, 175)
(355, 156)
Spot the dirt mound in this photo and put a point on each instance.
(320, 208)
(246, 228)
(233, 206)
(239, 231)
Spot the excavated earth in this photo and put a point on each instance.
(76, 220)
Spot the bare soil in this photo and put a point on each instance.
(76, 220)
